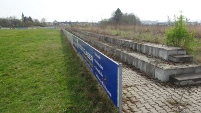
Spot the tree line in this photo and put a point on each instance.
(25, 21)
(119, 18)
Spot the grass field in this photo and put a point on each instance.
(40, 72)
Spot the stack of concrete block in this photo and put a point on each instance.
(159, 61)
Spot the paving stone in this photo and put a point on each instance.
(129, 89)
(125, 92)
(132, 92)
(129, 94)
(144, 110)
(139, 105)
(169, 105)
(139, 111)
(133, 107)
(172, 112)
(125, 107)
(157, 107)
(147, 105)
(138, 96)
(151, 102)
(155, 96)
(197, 108)
(129, 103)
(196, 111)
(153, 110)
(191, 108)
(186, 110)
(150, 93)
(160, 103)
(146, 97)
(135, 89)
(161, 111)
(167, 109)
(126, 111)
(142, 101)
(157, 93)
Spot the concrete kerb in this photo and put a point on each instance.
(164, 74)
(126, 57)
(134, 61)
(134, 46)
(138, 47)
(119, 43)
(156, 70)
(130, 59)
(118, 53)
(180, 58)
(141, 47)
(146, 65)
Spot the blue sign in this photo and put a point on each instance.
(105, 69)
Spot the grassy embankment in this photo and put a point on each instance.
(40, 72)
(153, 34)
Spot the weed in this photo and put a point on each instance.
(179, 34)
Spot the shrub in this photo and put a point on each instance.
(178, 35)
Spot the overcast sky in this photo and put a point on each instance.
(95, 10)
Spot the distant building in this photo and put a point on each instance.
(156, 23)
(49, 23)
(148, 22)
(194, 23)
(162, 23)
(76, 23)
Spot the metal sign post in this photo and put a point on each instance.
(120, 87)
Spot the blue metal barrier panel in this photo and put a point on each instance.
(105, 69)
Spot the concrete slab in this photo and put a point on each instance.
(186, 79)
(180, 58)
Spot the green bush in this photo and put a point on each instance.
(179, 34)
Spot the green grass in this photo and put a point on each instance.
(40, 72)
